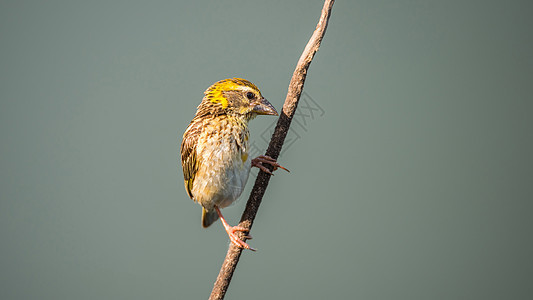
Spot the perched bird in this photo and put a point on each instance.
(214, 150)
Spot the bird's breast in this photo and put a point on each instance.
(224, 165)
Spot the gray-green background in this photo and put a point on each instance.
(415, 183)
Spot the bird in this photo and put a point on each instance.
(215, 149)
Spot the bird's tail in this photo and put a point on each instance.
(208, 217)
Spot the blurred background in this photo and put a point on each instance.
(410, 157)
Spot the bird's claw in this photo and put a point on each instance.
(263, 159)
(230, 230)
(236, 240)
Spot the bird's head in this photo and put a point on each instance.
(237, 97)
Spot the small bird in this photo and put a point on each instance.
(214, 150)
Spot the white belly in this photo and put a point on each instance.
(222, 175)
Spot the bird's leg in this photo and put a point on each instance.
(231, 232)
(263, 159)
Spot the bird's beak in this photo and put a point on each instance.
(263, 107)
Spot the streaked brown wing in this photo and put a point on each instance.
(188, 156)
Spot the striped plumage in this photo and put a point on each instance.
(214, 150)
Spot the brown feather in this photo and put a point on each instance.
(189, 162)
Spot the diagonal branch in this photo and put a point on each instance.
(274, 148)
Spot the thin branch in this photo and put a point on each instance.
(274, 148)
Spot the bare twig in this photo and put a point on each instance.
(274, 148)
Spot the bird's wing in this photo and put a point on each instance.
(188, 156)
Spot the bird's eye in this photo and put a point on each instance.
(250, 95)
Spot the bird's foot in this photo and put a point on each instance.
(263, 159)
(231, 233)
(236, 240)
